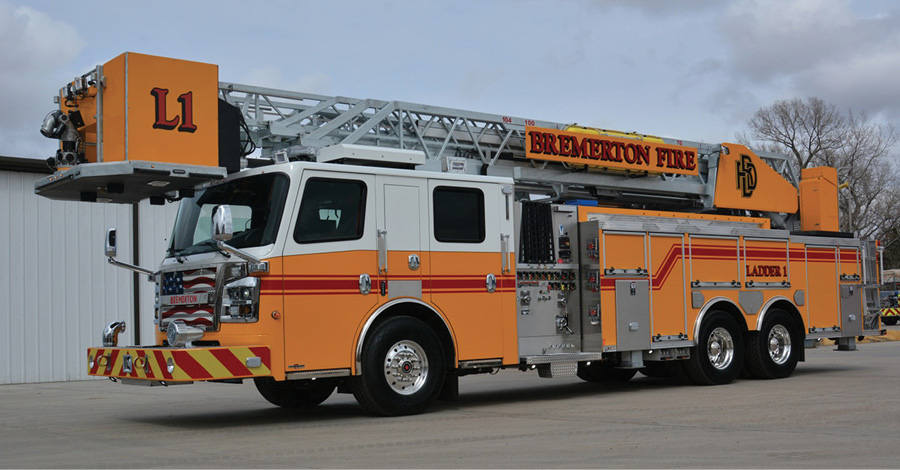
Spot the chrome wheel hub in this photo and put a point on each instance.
(720, 348)
(406, 367)
(779, 344)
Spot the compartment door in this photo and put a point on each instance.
(667, 286)
(633, 314)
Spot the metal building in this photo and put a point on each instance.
(57, 291)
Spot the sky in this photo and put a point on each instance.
(685, 69)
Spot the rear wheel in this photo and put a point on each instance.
(892, 320)
(402, 368)
(773, 351)
(603, 371)
(719, 355)
(294, 394)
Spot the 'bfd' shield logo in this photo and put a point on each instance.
(746, 176)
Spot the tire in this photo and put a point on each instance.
(302, 394)
(773, 351)
(890, 321)
(603, 372)
(402, 368)
(719, 355)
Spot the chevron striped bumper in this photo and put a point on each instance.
(173, 365)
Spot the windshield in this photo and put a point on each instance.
(257, 203)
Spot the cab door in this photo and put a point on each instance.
(329, 255)
(468, 231)
(402, 232)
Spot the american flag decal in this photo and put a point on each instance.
(188, 282)
(173, 283)
(179, 282)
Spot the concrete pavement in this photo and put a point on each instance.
(839, 409)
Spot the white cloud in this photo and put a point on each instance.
(773, 37)
(823, 48)
(36, 49)
(866, 81)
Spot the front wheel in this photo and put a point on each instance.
(773, 351)
(719, 355)
(402, 368)
(294, 394)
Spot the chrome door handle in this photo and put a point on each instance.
(490, 283)
(365, 284)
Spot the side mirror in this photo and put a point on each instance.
(222, 229)
(111, 243)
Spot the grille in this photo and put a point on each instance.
(188, 296)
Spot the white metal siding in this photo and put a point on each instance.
(155, 228)
(57, 291)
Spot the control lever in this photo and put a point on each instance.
(562, 321)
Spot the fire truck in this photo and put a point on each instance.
(385, 248)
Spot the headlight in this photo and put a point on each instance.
(240, 301)
(178, 334)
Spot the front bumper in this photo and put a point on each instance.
(172, 365)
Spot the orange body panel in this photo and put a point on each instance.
(713, 259)
(608, 319)
(324, 309)
(623, 251)
(115, 111)
(823, 298)
(765, 261)
(667, 285)
(850, 263)
(619, 252)
(745, 181)
(819, 199)
(484, 323)
(153, 109)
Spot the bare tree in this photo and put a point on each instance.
(818, 134)
(805, 129)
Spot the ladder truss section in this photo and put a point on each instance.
(281, 119)
(300, 123)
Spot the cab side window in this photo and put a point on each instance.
(331, 210)
(458, 214)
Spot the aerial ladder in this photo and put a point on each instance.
(295, 124)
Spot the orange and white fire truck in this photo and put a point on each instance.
(387, 248)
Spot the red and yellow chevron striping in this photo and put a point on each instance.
(890, 312)
(180, 365)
